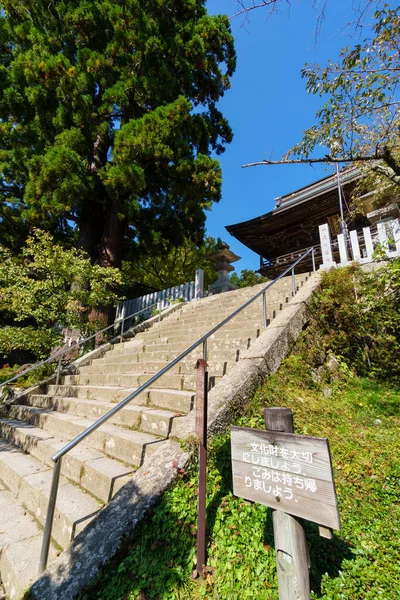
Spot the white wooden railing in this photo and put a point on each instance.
(360, 245)
(186, 291)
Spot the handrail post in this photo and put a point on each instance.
(293, 283)
(122, 329)
(313, 258)
(201, 431)
(58, 370)
(265, 310)
(205, 350)
(50, 517)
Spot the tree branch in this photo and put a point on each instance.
(310, 161)
(390, 160)
(246, 9)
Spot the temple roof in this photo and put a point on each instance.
(293, 224)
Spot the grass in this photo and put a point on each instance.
(362, 562)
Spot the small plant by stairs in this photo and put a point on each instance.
(33, 430)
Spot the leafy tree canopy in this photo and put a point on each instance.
(361, 116)
(247, 278)
(108, 118)
(169, 267)
(359, 122)
(37, 298)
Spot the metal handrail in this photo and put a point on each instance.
(60, 353)
(203, 340)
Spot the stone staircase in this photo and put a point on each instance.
(39, 425)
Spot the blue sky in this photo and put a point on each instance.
(268, 107)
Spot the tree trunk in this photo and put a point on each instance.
(112, 239)
(90, 229)
(110, 252)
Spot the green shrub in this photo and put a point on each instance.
(356, 316)
(48, 287)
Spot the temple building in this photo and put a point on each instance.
(282, 235)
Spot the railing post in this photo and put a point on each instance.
(50, 517)
(293, 284)
(199, 284)
(58, 370)
(201, 431)
(313, 258)
(121, 336)
(265, 310)
(205, 350)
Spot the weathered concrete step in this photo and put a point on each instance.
(168, 381)
(175, 400)
(158, 350)
(197, 330)
(228, 347)
(186, 334)
(108, 393)
(251, 313)
(152, 346)
(232, 335)
(130, 416)
(219, 352)
(184, 367)
(239, 297)
(20, 545)
(90, 469)
(30, 481)
(125, 366)
(123, 444)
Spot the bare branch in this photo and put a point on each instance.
(246, 9)
(310, 161)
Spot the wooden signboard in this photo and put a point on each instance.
(288, 472)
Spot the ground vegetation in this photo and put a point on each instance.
(357, 410)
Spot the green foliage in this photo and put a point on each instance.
(356, 315)
(38, 341)
(46, 288)
(161, 266)
(360, 117)
(359, 416)
(108, 119)
(247, 278)
(362, 560)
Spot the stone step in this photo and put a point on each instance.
(128, 446)
(20, 545)
(174, 381)
(123, 365)
(251, 313)
(197, 331)
(175, 400)
(29, 480)
(126, 367)
(169, 350)
(131, 416)
(177, 334)
(279, 289)
(90, 469)
(232, 335)
(168, 381)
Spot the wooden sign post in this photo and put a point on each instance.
(293, 475)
